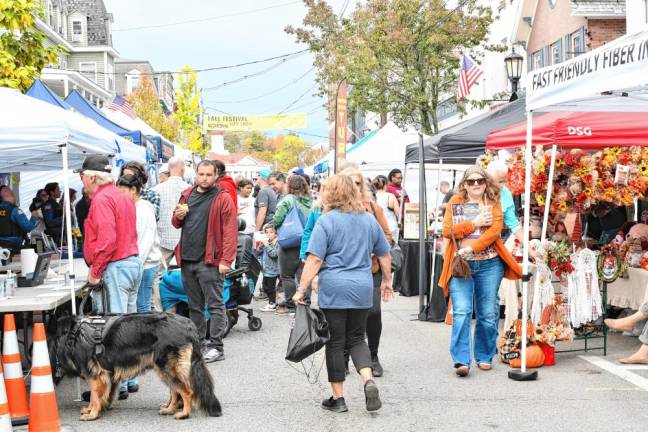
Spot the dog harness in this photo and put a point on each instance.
(94, 329)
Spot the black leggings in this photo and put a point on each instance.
(347, 329)
(288, 266)
(270, 288)
(374, 318)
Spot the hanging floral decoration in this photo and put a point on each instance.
(583, 179)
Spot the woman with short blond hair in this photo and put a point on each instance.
(340, 249)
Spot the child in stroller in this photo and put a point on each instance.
(237, 288)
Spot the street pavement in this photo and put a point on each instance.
(260, 391)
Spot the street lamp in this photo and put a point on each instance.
(513, 63)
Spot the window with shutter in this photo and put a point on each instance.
(547, 56)
(567, 51)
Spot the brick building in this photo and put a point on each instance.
(557, 30)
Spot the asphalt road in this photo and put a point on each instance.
(260, 391)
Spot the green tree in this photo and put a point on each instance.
(188, 111)
(255, 142)
(400, 56)
(146, 104)
(23, 53)
(289, 151)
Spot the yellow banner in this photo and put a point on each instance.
(254, 122)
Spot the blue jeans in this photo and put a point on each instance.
(122, 279)
(146, 288)
(482, 292)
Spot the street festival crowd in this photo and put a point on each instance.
(133, 235)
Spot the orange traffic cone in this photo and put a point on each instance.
(448, 318)
(44, 409)
(5, 417)
(14, 381)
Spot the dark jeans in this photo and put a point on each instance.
(288, 265)
(204, 286)
(347, 330)
(270, 288)
(374, 317)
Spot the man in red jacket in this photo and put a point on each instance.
(206, 251)
(110, 244)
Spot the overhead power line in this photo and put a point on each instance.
(199, 20)
(208, 69)
(295, 81)
(300, 97)
(252, 75)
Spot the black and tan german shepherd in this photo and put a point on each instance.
(133, 343)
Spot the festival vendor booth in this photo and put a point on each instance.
(122, 149)
(34, 135)
(596, 157)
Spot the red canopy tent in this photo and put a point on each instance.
(585, 130)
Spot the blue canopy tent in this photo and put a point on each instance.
(40, 91)
(83, 106)
(163, 146)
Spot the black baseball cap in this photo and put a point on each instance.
(95, 163)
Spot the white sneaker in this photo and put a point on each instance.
(270, 307)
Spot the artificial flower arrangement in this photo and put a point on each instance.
(582, 179)
(559, 259)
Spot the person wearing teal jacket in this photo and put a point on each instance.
(289, 262)
(314, 215)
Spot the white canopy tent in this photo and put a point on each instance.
(377, 153)
(611, 78)
(384, 151)
(35, 135)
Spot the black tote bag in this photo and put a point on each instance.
(309, 334)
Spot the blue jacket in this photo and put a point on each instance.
(14, 224)
(270, 260)
(313, 216)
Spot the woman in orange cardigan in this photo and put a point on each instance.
(480, 244)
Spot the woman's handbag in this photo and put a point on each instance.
(460, 267)
(309, 334)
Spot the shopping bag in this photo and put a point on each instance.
(309, 334)
(291, 230)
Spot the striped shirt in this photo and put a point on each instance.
(169, 193)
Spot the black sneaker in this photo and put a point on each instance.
(123, 394)
(376, 366)
(335, 405)
(213, 355)
(134, 387)
(371, 396)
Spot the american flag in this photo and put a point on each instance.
(468, 76)
(121, 104)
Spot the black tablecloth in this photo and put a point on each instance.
(406, 280)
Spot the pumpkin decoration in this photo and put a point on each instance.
(535, 357)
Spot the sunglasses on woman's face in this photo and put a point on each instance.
(476, 181)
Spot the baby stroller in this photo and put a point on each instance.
(239, 283)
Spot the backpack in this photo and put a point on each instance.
(290, 232)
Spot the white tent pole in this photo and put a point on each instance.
(527, 223)
(552, 167)
(68, 227)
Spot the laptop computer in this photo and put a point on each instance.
(40, 271)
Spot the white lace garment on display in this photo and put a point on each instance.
(584, 297)
(543, 292)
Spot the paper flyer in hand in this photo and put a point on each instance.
(466, 212)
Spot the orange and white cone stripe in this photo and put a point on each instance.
(13, 373)
(44, 409)
(5, 417)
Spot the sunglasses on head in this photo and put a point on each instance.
(476, 182)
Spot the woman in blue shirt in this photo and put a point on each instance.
(340, 249)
